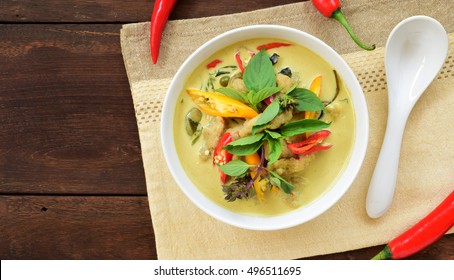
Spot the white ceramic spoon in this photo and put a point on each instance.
(415, 51)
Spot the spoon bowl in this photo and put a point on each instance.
(415, 52)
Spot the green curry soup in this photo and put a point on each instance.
(267, 183)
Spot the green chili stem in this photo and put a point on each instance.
(384, 254)
(337, 14)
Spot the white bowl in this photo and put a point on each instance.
(304, 213)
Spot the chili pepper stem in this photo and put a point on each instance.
(339, 16)
(384, 254)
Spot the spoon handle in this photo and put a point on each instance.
(383, 182)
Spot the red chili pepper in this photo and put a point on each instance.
(273, 45)
(213, 63)
(331, 9)
(422, 234)
(311, 144)
(239, 61)
(269, 100)
(221, 156)
(161, 12)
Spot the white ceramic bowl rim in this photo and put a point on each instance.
(302, 214)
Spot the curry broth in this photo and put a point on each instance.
(323, 171)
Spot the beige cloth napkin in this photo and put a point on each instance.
(426, 170)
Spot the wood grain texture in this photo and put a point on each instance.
(119, 10)
(49, 227)
(67, 122)
(111, 227)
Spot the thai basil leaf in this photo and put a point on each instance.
(302, 126)
(267, 116)
(275, 149)
(275, 181)
(246, 145)
(247, 140)
(234, 167)
(259, 73)
(264, 94)
(232, 93)
(244, 150)
(273, 134)
(306, 100)
(284, 185)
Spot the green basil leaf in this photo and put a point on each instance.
(275, 149)
(249, 98)
(284, 185)
(244, 150)
(273, 134)
(306, 100)
(275, 181)
(267, 116)
(302, 126)
(234, 167)
(232, 93)
(259, 72)
(246, 145)
(264, 94)
(247, 140)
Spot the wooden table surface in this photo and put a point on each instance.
(72, 184)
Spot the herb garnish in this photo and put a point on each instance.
(251, 144)
(260, 80)
(259, 73)
(267, 116)
(241, 186)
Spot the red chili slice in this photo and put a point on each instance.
(273, 45)
(239, 61)
(213, 63)
(221, 156)
(316, 149)
(311, 144)
(269, 100)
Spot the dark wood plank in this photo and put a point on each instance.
(67, 122)
(74, 11)
(111, 227)
(47, 227)
(206, 8)
(119, 10)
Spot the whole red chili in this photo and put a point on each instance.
(421, 235)
(331, 9)
(161, 12)
(221, 156)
